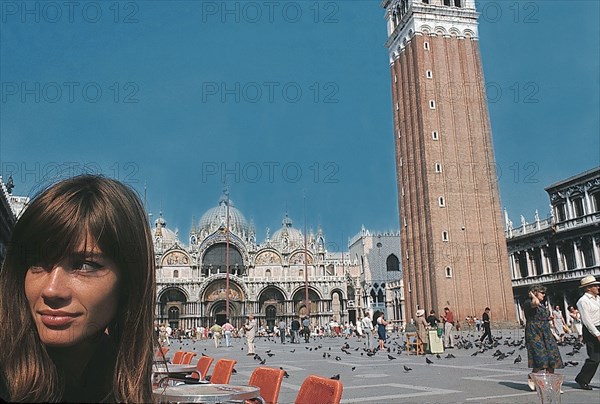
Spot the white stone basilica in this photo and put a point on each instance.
(266, 279)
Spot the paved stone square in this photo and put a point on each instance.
(378, 379)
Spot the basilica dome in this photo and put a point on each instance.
(287, 236)
(161, 234)
(216, 218)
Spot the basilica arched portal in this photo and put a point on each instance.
(214, 298)
(299, 300)
(171, 304)
(271, 303)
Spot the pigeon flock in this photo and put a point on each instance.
(465, 345)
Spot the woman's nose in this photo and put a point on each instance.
(57, 284)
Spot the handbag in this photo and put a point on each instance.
(566, 329)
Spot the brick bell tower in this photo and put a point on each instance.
(453, 246)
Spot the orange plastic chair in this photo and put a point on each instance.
(178, 357)
(162, 351)
(187, 358)
(269, 381)
(320, 390)
(222, 371)
(202, 367)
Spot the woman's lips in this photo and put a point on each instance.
(57, 319)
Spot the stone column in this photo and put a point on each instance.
(530, 271)
(569, 209)
(587, 203)
(516, 274)
(560, 259)
(544, 259)
(577, 251)
(596, 249)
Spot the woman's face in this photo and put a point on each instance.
(75, 299)
(540, 295)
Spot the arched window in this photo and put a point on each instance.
(216, 257)
(175, 273)
(392, 263)
(268, 273)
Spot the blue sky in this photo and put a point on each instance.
(281, 99)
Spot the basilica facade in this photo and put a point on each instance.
(266, 279)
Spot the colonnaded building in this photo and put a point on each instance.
(560, 250)
(266, 279)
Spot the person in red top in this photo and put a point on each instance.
(448, 317)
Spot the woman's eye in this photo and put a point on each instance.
(36, 269)
(87, 266)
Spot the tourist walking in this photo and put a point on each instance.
(367, 326)
(589, 307)
(576, 321)
(359, 329)
(542, 350)
(250, 329)
(381, 333)
(448, 317)
(306, 329)
(559, 323)
(421, 324)
(282, 329)
(487, 326)
(295, 329)
(216, 331)
(227, 329)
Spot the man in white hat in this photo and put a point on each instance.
(589, 307)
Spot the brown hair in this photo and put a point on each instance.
(51, 227)
(537, 288)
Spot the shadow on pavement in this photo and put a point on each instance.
(516, 386)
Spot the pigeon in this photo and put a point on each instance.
(285, 374)
(407, 369)
(450, 356)
(353, 368)
(267, 352)
(337, 358)
(518, 359)
(428, 361)
(335, 377)
(270, 354)
(390, 357)
(262, 362)
(293, 350)
(438, 356)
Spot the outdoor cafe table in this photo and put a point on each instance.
(205, 393)
(162, 369)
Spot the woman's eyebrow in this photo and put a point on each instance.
(87, 254)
